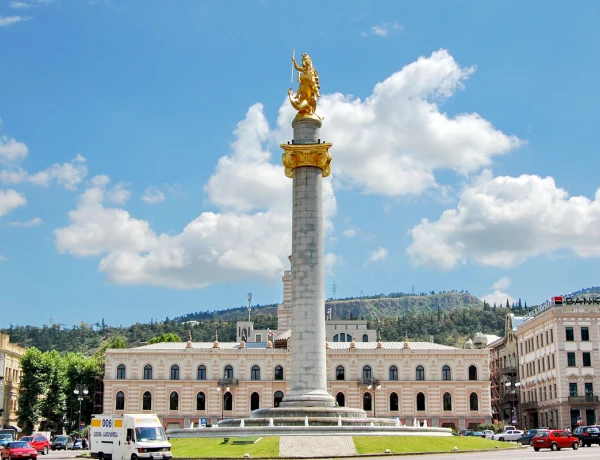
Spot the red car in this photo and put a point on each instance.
(554, 440)
(38, 442)
(18, 449)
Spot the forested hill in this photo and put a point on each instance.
(449, 317)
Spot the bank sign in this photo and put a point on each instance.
(563, 300)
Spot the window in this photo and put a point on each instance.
(587, 359)
(473, 402)
(393, 402)
(255, 374)
(420, 375)
(589, 389)
(552, 335)
(201, 372)
(340, 399)
(446, 373)
(174, 372)
(147, 401)
(367, 402)
(393, 373)
(447, 401)
(120, 401)
(420, 401)
(472, 373)
(348, 338)
(366, 372)
(569, 333)
(121, 372)
(571, 359)
(227, 401)
(228, 372)
(336, 338)
(254, 401)
(573, 389)
(200, 401)
(147, 372)
(277, 398)
(339, 373)
(278, 373)
(174, 401)
(585, 334)
(365, 338)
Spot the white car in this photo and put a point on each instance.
(508, 435)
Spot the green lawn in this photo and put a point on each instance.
(378, 444)
(206, 447)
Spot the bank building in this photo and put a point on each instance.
(188, 384)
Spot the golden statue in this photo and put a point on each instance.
(305, 100)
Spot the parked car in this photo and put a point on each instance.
(510, 435)
(18, 449)
(59, 443)
(554, 440)
(76, 444)
(488, 433)
(466, 432)
(38, 442)
(525, 440)
(478, 434)
(587, 435)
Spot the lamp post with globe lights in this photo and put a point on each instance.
(80, 391)
(512, 387)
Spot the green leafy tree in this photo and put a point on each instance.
(83, 371)
(32, 389)
(53, 405)
(166, 337)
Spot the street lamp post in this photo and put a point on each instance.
(80, 391)
(372, 383)
(249, 307)
(515, 386)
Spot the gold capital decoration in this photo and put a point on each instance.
(296, 155)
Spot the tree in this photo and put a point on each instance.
(53, 405)
(166, 337)
(32, 388)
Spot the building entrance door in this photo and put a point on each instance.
(590, 417)
(575, 413)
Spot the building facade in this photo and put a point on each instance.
(559, 365)
(10, 377)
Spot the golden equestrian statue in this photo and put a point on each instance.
(305, 100)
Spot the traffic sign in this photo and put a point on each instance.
(203, 421)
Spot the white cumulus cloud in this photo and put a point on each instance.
(33, 222)
(383, 29)
(152, 195)
(12, 151)
(68, 174)
(378, 255)
(330, 261)
(350, 233)
(6, 21)
(502, 221)
(499, 296)
(9, 200)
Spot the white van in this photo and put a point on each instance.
(128, 437)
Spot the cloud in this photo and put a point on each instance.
(119, 194)
(33, 222)
(350, 233)
(393, 142)
(503, 221)
(152, 195)
(12, 151)
(383, 29)
(330, 261)
(6, 21)
(2, 258)
(32, 4)
(499, 296)
(20, 5)
(9, 200)
(69, 174)
(378, 255)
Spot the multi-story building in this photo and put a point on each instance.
(559, 361)
(10, 376)
(185, 383)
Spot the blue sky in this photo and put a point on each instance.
(140, 172)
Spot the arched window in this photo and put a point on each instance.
(473, 402)
(227, 401)
(367, 401)
(120, 401)
(255, 374)
(348, 338)
(420, 401)
(393, 402)
(447, 401)
(174, 372)
(340, 399)
(174, 401)
(201, 372)
(147, 372)
(254, 401)
(277, 398)
(200, 401)
(472, 373)
(228, 372)
(339, 373)
(278, 373)
(393, 373)
(420, 373)
(147, 401)
(365, 338)
(446, 373)
(121, 372)
(336, 338)
(367, 372)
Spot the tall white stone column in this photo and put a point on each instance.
(307, 161)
